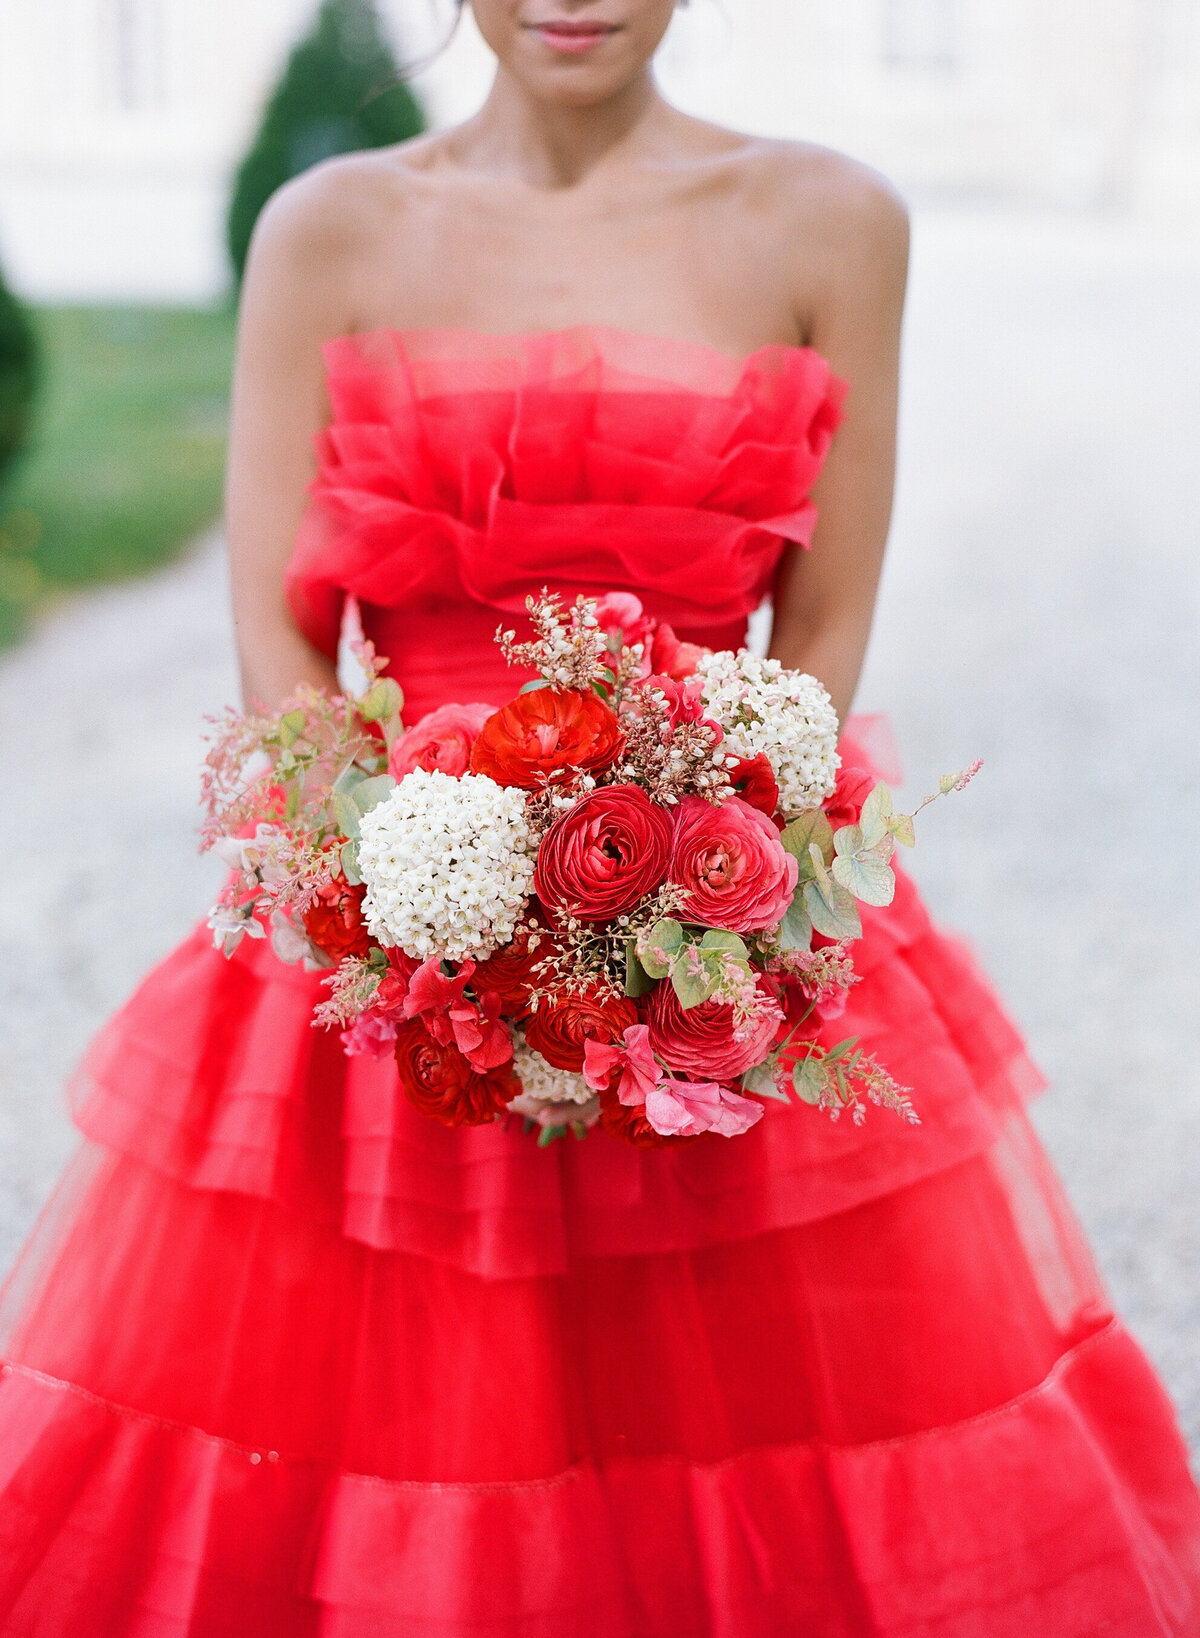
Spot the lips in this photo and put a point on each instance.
(571, 35)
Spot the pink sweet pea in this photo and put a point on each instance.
(640, 1073)
(687, 1108)
(623, 612)
(475, 1028)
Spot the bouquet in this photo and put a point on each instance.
(629, 896)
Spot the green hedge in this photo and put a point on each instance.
(339, 92)
(18, 376)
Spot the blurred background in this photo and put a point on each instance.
(1040, 605)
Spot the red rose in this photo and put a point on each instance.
(700, 1042)
(753, 779)
(732, 865)
(559, 1029)
(604, 854)
(511, 970)
(853, 787)
(442, 740)
(545, 733)
(673, 658)
(334, 920)
(438, 1080)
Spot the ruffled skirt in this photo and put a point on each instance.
(284, 1359)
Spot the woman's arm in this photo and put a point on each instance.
(825, 598)
(295, 296)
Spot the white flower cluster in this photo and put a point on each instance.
(785, 715)
(447, 863)
(543, 1083)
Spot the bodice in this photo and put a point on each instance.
(460, 471)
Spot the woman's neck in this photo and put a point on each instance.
(555, 146)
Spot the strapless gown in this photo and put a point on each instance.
(285, 1358)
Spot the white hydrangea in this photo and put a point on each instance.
(542, 1083)
(447, 863)
(785, 715)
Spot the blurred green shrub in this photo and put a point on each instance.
(339, 92)
(18, 375)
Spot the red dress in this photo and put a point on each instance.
(285, 1358)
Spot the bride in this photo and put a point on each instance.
(286, 1358)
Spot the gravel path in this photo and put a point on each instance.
(1040, 610)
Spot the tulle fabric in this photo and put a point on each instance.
(287, 1360)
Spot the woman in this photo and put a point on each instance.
(286, 1358)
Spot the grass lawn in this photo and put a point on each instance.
(126, 461)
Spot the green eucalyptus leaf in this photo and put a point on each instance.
(349, 857)
(371, 792)
(903, 829)
(692, 984)
(659, 947)
(876, 812)
(833, 910)
(867, 878)
(291, 726)
(808, 1079)
(761, 1081)
(811, 829)
(849, 839)
(345, 812)
(638, 981)
(797, 929)
(718, 939)
(382, 701)
(842, 1049)
(350, 776)
(533, 685)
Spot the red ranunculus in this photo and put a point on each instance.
(673, 658)
(542, 735)
(700, 1042)
(440, 1082)
(442, 740)
(559, 1029)
(511, 970)
(604, 854)
(334, 920)
(853, 787)
(753, 779)
(733, 867)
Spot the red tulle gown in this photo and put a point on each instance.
(286, 1358)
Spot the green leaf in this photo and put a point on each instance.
(849, 839)
(876, 812)
(867, 878)
(549, 1135)
(761, 1081)
(350, 776)
(345, 812)
(370, 792)
(797, 929)
(536, 683)
(638, 981)
(658, 948)
(291, 726)
(903, 829)
(808, 1079)
(802, 834)
(833, 911)
(834, 1053)
(350, 863)
(382, 701)
(718, 939)
(691, 986)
